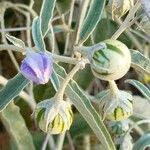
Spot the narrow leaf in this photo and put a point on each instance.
(16, 127)
(141, 87)
(46, 14)
(92, 19)
(140, 62)
(17, 42)
(55, 80)
(142, 143)
(84, 106)
(37, 34)
(12, 89)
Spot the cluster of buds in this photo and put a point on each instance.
(54, 116)
(117, 107)
(114, 57)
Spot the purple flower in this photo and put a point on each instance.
(37, 67)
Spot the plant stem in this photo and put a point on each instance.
(124, 25)
(52, 38)
(69, 26)
(113, 87)
(61, 90)
(5, 42)
(51, 140)
(60, 141)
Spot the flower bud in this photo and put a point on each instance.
(115, 57)
(37, 67)
(53, 116)
(119, 7)
(117, 107)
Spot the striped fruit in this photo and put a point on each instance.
(111, 62)
(117, 107)
(119, 7)
(54, 117)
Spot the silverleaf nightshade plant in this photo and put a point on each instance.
(37, 67)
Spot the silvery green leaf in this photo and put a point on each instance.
(84, 106)
(141, 87)
(17, 42)
(142, 143)
(92, 19)
(16, 127)
(13, 87)
(146, 6)
(46, 15)
(140, 62)
(55, 80)
(37, 34)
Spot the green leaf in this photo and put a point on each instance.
(46, 15)
(12, 89)
(16, 127)
(55, 80)
(37, 34)
(142, 143)
(92, 19)
(141, 87)
(17, 42)
(84, 106)
(140, 62)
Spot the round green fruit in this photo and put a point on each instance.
(112, 61)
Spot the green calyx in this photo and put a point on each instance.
(54, 117)
(117, 107)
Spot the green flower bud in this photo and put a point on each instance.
(117, 107)
(119, 7)
(115, 58)
(53, 116)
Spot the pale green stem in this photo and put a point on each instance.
(49, 139)
(52, 38)
(60, 141)
(5, 42)
(57, 58)
(65, 59)
(28, 33)
(130, 35)
(15, 29)
(83, 9)
(70, 141)
(61, 90)
(86, 141)
(113, 87)
(124, 25)
(69, 26)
